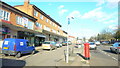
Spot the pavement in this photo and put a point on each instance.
(75, 59)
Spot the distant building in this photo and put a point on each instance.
(72, 39)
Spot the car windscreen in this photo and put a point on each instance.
(46, 42)
(92, 43)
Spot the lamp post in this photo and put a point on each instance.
(67, 55)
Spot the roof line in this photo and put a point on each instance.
(45, 15)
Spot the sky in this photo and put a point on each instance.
(90, 17)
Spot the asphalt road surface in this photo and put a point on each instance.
(103, 57)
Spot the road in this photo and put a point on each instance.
(100, 57)
(103, 57)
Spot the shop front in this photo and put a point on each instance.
(26, 35)
(39, 39)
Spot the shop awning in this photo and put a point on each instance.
(39, 35)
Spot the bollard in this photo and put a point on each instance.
(86, 51)
(65, 54)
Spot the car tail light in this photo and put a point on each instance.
(50, 45)
(118, 47)
(14, 47)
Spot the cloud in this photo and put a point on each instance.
(85, 32)
(96, 13)
(74, 14)
(108, 3)
(61, 12)
(61, 6)
(111, 21)
(100, 2)
(113, 27)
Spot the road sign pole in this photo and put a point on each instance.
(67, 55)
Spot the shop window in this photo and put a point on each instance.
(3, 36)
(8, 36)
(4, 15)
(28, 44)
(35, 13)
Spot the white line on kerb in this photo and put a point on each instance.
(108, 55)
(114, 58)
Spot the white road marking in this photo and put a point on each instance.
(108, 54)
(114, 58)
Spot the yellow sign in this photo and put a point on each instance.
(5, 47)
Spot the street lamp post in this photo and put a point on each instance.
(67, 55)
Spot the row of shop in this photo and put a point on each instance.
(34, 37)
(17, 24)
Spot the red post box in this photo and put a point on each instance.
(86, 51)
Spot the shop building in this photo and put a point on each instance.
(16, 24)
(50, 28)
(33, 25)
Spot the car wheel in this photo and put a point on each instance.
(111, 50)
(117, 51)
(55, 48)
(33, 52)
(50, 49)
(95, 48)
(5, 54)
(18, 55)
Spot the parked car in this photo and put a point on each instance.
(69, 43)
(115, 47)
(92, 45)
(49, 45)
(17, 47)
(105, 42)
(97, 43)
(58, 44)
(64, 43)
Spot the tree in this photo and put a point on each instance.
(117, 35)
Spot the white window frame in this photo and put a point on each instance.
(50, 22)
(35, 13)
(5, 15)
(41, 17)
(47, 20)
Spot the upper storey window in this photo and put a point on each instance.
(4, 15)
(41, 17)
(35, 13)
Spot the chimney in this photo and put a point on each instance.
(26, 3)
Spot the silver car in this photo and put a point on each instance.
(115, 47)
(49, 45)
